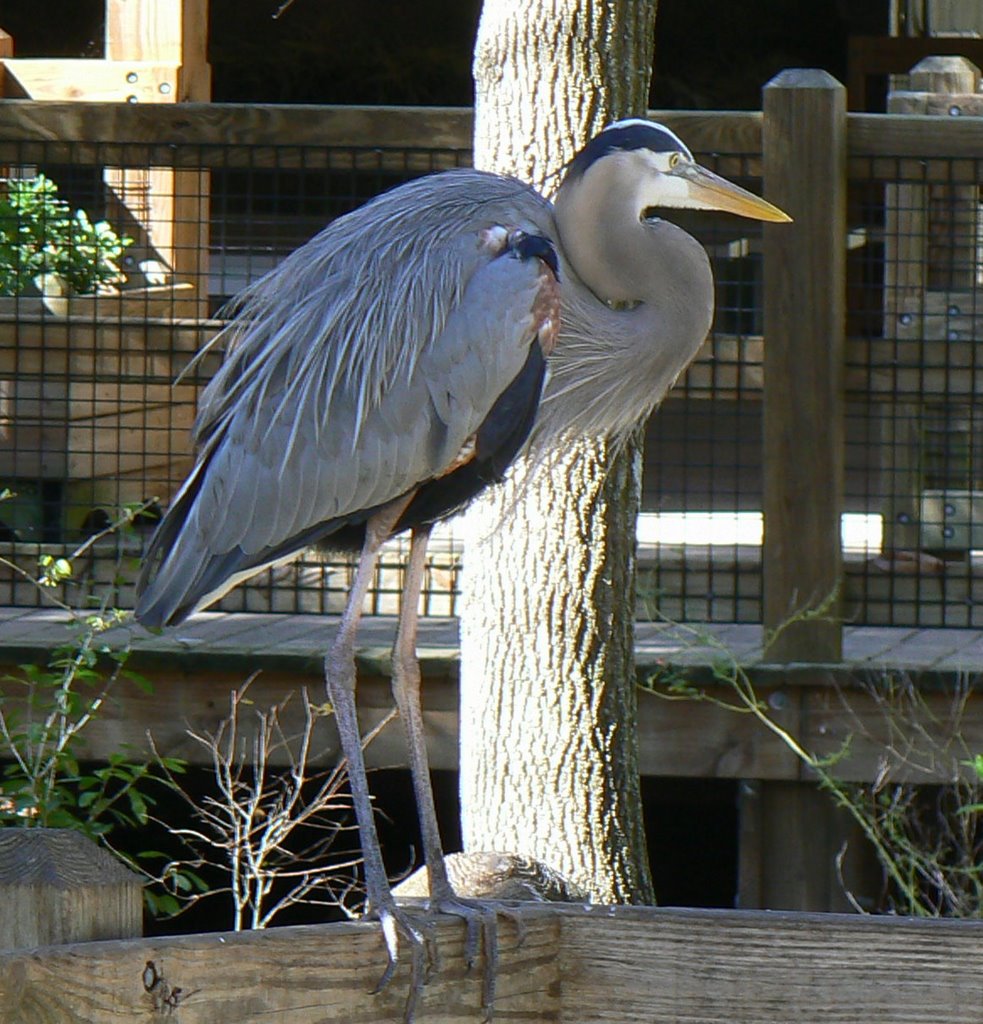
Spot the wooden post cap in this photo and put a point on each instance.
(804, 78)
(945, 74)
(57, 885)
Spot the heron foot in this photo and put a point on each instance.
(481, 920)
(398, 929)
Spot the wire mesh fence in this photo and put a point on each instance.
(913, 375)
(91, 419)
(700, 532)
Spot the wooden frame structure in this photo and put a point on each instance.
(728, 366)
(155, 52)
(868, 145)
(576, 965)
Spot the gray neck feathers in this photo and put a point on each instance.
(613, 365)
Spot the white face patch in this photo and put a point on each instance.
(657, 185)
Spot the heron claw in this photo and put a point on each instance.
(481, 920)
(395, 924)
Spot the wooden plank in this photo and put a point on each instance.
(95, 81)
(821, 832)
(913, 135)
(804, 316)
(270, 130)
(284, 125)
(588, 965)
(194, 668)
(143, 302)
(897, 427)
(804, 153)
(643, 965)
(57, 885)
(702, 741)
(882, 733)
(304, 975)
(122, 351)
(163, 30)
(233, 124)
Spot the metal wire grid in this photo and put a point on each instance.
(91, 420)
(914, 433)
(700, 554)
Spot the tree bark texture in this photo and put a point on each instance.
(549, 763)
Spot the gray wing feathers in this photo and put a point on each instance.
(362, 365)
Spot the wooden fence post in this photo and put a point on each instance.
(58, 886)
(804, 143)
(804, 151)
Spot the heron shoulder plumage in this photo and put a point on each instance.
(355, 372)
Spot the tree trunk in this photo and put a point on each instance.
(549, 761)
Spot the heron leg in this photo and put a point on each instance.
(406, 690)
(339, 674)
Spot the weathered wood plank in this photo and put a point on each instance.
(834, 855)
(763, 968)
(57, 885)
(236, 124)
(580, 965)
(284, 125)
(304, 975)
(194, 668)
(204, 134)
(913, 135)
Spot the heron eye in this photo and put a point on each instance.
(674, 159)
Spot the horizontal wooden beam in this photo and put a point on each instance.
(920, 136)
(281, 126)
(232, 124)
(828, 708)
(95, 81)
(221, 125)
(630, 964)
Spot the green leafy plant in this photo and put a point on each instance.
(39, 234)
(47, 711)
(928, 838)
(43, 719)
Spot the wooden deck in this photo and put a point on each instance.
(194, 666)
(299, 641)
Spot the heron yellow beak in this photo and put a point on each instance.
(709, 191)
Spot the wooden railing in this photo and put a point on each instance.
(555, 962)
(630, 964)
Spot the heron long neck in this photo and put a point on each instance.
(612, 365)
(624, 259)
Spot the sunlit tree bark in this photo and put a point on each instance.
(549, 763)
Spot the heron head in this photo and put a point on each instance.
(665, 172)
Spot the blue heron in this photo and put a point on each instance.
(393, 367)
